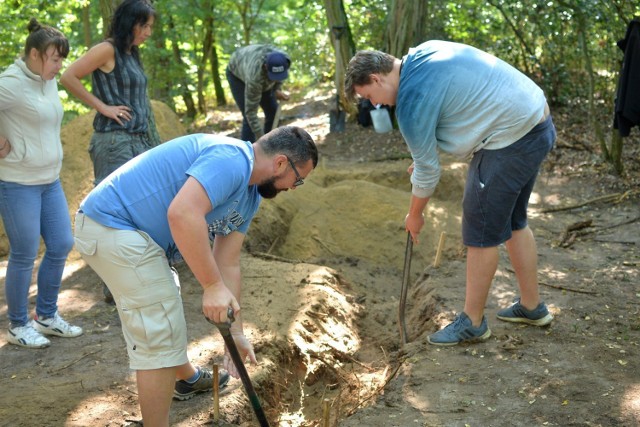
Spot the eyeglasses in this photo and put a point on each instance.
(299, 179)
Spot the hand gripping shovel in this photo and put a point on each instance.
(225, 331)
(403, 290)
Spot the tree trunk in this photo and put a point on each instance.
(157, 70)
(343, 45)
(215, 73)
(248, 16)
(593, 122)
(184, 83)
(615, 154)
(406, 26)
(86, 26)
(616, 151)
(206, 48)
(106, 11)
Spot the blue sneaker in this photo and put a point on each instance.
(517, 313)
(460, 330)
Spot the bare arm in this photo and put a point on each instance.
(101, 56)
(189, 229)
(5, 147)
(8, 99)
(226, 250)
(415, 218)
(414, 221)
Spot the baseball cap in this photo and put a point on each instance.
(278, 66)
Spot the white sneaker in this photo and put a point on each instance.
(27, 336)
(57, 326)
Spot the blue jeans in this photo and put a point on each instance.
(268, 102)
(28, 212)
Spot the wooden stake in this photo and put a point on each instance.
(216, 395)
(436, 262)
(325, 413)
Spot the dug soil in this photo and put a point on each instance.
(323, 270)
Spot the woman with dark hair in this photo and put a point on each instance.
(120, 125)
(32, 202)
(119, 88)
(119, 91)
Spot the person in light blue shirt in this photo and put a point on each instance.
(163, 207)
(461, 100)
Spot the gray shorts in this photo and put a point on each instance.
(110, 150)
(499, 183)
(145, 289)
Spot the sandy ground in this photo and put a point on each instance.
(322, 275)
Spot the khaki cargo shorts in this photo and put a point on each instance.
(145, 288)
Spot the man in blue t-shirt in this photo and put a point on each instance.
(466, 102)
(164, 206)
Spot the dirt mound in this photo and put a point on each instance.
(77, 171)
(355, 213)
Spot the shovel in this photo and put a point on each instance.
(337, 117)
(403, 290)
(225, 331)
(276, 118)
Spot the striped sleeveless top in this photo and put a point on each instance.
(126, 85)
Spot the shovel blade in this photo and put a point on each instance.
(337, 120)
(276, 119)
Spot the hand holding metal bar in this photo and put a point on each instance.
(225, 331)
(403, 290)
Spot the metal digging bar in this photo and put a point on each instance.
(403, 290)
(225, 331)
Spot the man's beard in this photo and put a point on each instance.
(267, 188)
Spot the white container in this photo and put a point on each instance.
(381, 120)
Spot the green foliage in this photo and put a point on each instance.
(548, 39)
(368, 22)
(300, 29)
(15, 18)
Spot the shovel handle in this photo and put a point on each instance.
(403, 290)
(224, 328)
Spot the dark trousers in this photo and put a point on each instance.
(268, 102)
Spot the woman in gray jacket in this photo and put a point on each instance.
(32, 202)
